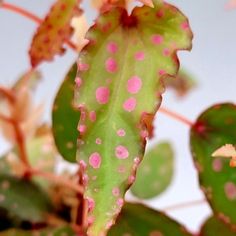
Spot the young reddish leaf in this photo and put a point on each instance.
(216, 227)
(53, 32)
(119, 73)
(182, 83)
(65, 118)
(214, 128)
(155, 172)
(139, 220)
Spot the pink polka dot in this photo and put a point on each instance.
(162, 72)
(230, 190)
(102, 95)
(155, 233)
(121, 169)
(131, 179)
(111, 65)
(91, 204)
(121, 132)
(121, 152)
(217, 165)
(130, 104)
(83, 66)
(95, 160)
(184, 25)
(116, 192)
(120, 202)
(166, 52)
(78, 82)
(112, 47)
(139, 56)
(82, 128)
(92, 116)
(98, 141)
(157, 39)
(134, 84)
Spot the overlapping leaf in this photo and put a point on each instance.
(155, 172)
(65, 118)
(216, 227)
(119, 88)
(138, 220)
(22, 200)
(214, 128)
(53, 32)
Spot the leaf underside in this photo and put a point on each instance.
(139, 220)
(214, 128)
(65, 118)
(119, 86)
(53, 32)
(155, 171)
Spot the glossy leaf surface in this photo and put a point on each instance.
(214, 128)
(65, 118)
(53, 32)
(155, 172)
(139, 220)
(119, 89)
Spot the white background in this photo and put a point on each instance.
(212, 61)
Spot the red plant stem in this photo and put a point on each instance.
(7, 93)
(184, 205)
(57, 179)
(176, 116)
(30, 16)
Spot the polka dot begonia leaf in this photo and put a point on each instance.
(23, 200)
(53, 32)
(65, 118)
(155, 172)
(214, 128)
(118, 87)
(139, 220)
(216, 227)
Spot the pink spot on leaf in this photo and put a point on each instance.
(230, 190)
(82, 128)
(98, 141)
(111, 65)
(157, 39)
(139, 56)
(162, 72)
(91, 204)
(92, 116)
(102, 95)
(112, 47)
(83, 66)
(185, 25)
(116, 192)
(121, 133)
(130, 104)
(134, 84)
(95, 160)
(78, 82)
(121, 152)
(217, 165)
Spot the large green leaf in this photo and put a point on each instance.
(216, 227)
(53, 32)
(23, 199)
(214, 128)
(155, 172)
(138, 220)
(65, 118)
(61, 231)
(119, 90)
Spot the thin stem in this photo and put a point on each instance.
(7, 93)
(184, 205)
(176, 116)
(57, 179)
(30, 16)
